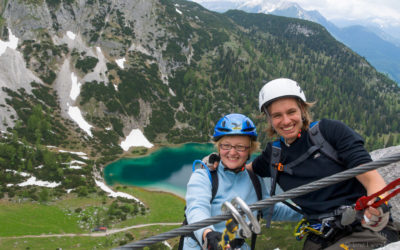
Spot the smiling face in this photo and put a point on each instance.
(232, 158)
(286, 119)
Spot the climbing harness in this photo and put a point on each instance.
(345, 215)
(325, 227)
(290, 194)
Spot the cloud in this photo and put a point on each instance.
(341, 9)
(354, 9)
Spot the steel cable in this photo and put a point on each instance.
(290, 194)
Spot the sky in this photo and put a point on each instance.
(345, 9)
(354, 9)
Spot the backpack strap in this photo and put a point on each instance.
(318, 139)
(256, 184)
(257, 188)
(288, 168)
(274, 166)
(214, 184)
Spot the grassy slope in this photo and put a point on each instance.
(33, 219)
(18, 219)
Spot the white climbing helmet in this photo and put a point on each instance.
(278, 88)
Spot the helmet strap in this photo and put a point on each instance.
(264, 108)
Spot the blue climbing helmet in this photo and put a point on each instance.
(234, 124)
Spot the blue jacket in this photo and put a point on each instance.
(230, 185)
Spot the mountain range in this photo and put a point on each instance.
(77, 77)
(83, 74)
(170, 69)
(379, 44)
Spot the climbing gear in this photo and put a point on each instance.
(229, 234)
(320, 144)
(234, 124)
(325, 225)
(376, 223)
(303, 228)
(290, 194)
(281, 87)
(233, 234)
(213, 176)
(362, 203)
(344, 216)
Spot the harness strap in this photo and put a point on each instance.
(214, 184)
(320, 217)
(275, 159)
(257, 186)
(289, 167)
(326, 148)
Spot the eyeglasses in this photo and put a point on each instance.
(238, 148)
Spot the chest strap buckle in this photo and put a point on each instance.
(279, 166)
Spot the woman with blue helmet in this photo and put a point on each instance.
(235, 139)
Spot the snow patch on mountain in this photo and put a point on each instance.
(13, 75)
(135, 139)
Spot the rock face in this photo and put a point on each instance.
(390, 173)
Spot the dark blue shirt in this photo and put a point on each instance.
(350, 150)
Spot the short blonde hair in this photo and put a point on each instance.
(305, 115)
(254, 145)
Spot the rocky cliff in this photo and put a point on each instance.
(390, 173)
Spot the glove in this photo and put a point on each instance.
(379, 218)
(212, 240)
(212, 161)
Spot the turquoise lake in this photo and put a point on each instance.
(166, 169)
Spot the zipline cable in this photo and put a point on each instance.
(290, 194)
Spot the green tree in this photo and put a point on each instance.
(44, 195)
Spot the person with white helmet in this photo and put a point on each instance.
(295, 160)
(235, 139)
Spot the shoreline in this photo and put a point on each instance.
(149, 189)
(149, 151)
(128, 155)
(161, 191)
